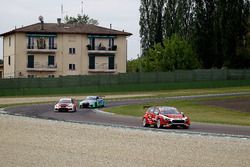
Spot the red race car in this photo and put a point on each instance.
(163, 116)
(66, 105)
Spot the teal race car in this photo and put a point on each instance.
(92, 102)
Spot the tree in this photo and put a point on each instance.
(147, 24)
(134, 65)
(217, 29)
(170, 18)
(160, 19)
(176, 53)
(80, 19)
(204, 32)
(1, 61)
(151, 22)
(231, 28)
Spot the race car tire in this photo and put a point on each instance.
(144, 123)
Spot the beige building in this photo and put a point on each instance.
(57, 49)
(1, 70)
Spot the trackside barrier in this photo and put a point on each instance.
(128, 78)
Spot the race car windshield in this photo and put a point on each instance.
(65, 101)
(90, 98)
(169, 111)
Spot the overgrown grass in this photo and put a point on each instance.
(143, 87)
(194, 109)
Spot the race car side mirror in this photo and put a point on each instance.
(182, 113)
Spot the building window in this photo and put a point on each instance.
(41, 43)
(111, 42)
(30, 61)
(51, 60)
(72, 50)
(91, 62)
(9, 61)
(72, 67)
(52, 44)
(92, 43)
(9, 41)
(31, 43)
(31, 76)
(51, 76)
(111, 62)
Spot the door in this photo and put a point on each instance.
(30, 61)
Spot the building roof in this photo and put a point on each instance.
(67, 29)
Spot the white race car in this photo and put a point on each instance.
(66, 105)
(92, 102)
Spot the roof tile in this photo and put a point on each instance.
(67, 29)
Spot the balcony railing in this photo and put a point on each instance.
(42, 49)
(102, 48)
(104, 67)
(42, 46)
(41, 67)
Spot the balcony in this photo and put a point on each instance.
(37, 67)
(51, 49)
(101, 49)
(103, 68)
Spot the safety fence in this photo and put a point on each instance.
(128, 78)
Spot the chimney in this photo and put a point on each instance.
(59, 20)
(110, 26)
(42, 25)
(42, 22)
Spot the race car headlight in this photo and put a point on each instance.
(186, 119)
(166, 119)
(70, 105)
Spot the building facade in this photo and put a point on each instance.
(1, 70)
(56, 49)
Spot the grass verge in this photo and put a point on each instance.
(194, 109)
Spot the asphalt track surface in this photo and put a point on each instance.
(96, 117)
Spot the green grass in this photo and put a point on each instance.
(23, 104)
(194, 109)
(124, 88)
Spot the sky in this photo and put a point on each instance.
(123, 15)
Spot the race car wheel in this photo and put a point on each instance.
(144, 123)
(159, 124)
(185, 127)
